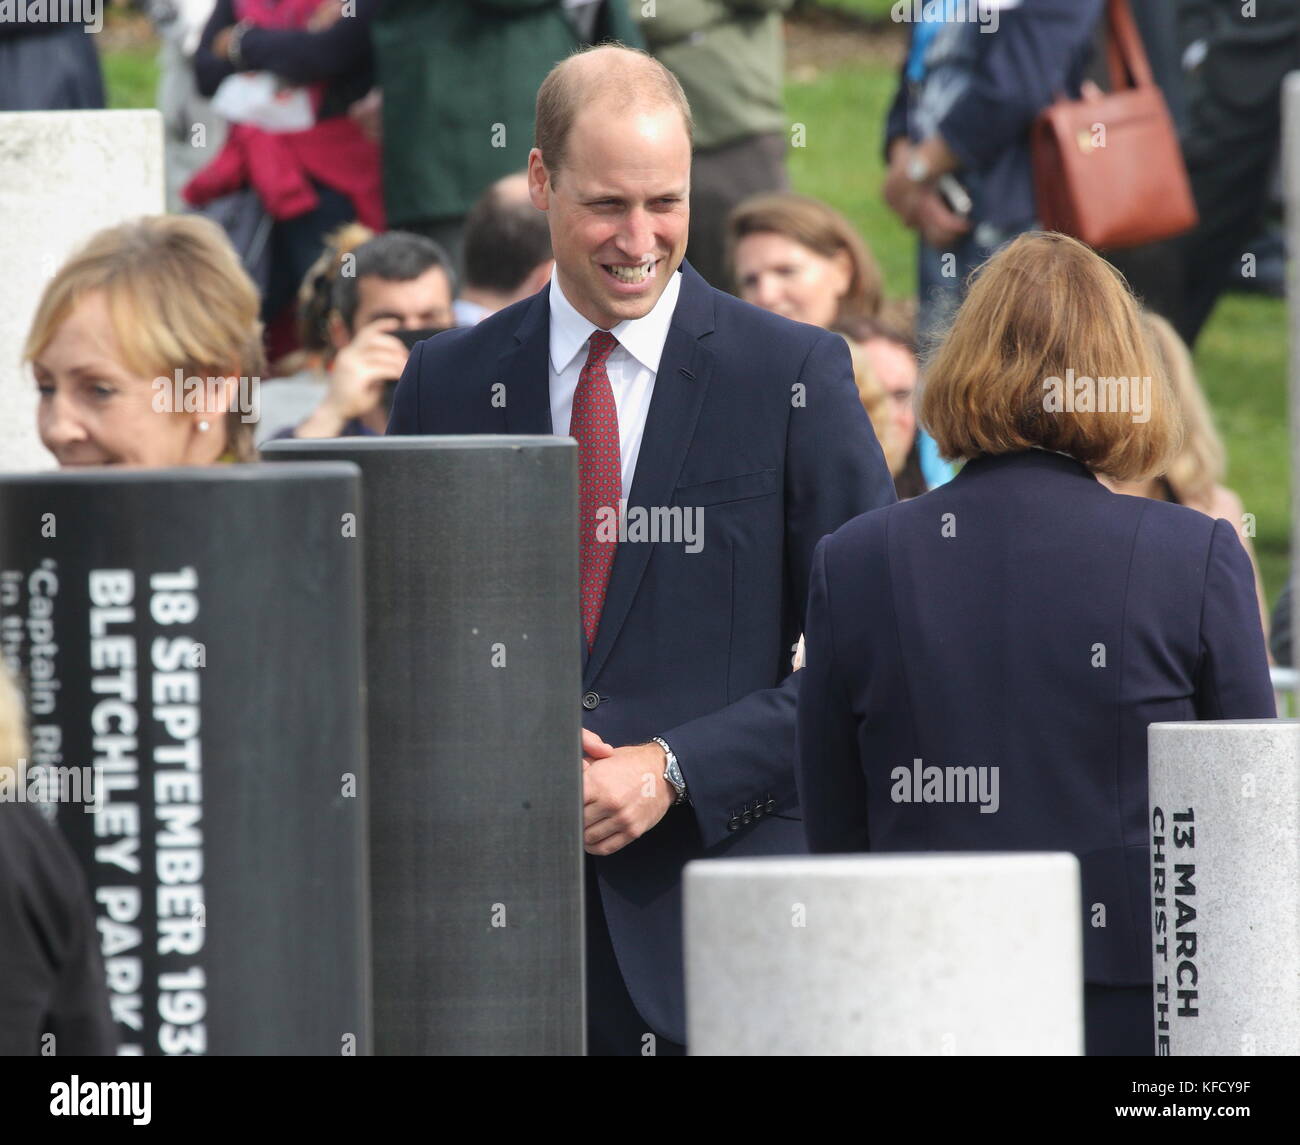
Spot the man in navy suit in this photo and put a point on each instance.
(739, 433)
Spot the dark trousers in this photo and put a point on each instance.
(1119, 1021)
(614, 1028)
(297, 243)
(54, 70)
(721, 178)
(1231, 146)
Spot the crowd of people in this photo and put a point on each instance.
(357, 207)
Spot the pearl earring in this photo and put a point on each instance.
(203, 427)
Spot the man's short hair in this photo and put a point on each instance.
(506, 239)
(568, 87)
(397, 256)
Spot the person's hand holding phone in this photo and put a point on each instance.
(375, 356)
(937, 223)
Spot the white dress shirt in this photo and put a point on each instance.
(632, 367)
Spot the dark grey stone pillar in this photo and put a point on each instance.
(474, 671)
(189, 642)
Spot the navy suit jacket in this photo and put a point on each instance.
(1024, 617)
(755, 421)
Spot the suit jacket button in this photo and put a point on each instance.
(591, 701)
(747, 818)
(733, 824)
(771, 806)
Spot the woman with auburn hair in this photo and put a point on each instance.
(1194, 475)
(147, 349)
(800, 258)
(1025, 621)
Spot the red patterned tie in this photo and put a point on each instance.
(594, 423)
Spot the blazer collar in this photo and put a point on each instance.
(1026, 459)
(643, 337)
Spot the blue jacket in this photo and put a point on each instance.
(755, 420)
(1026, 618)
(1038, 53)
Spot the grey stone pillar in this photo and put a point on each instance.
(1225, 883)
(63, 176)
(189, 643)
(474, 675)
(885, 954)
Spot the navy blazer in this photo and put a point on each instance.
(755, 420)
(1026, 618)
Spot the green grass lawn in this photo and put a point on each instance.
(1241, 355)
(130, 76)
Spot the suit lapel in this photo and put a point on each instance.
(524, 370)
(680, 386)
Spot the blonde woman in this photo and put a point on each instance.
(876, 401)
(1024, 624)
(1194, 475)
(147, 350)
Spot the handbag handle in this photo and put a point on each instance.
(1124, 48)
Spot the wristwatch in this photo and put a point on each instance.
(672, 772)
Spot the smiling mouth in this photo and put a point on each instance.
(631, 274)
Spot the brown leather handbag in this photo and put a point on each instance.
(1108, 170)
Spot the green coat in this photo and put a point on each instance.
(460, 80)
(729, 57)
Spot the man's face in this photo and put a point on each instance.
(618, 210)
(413, 305)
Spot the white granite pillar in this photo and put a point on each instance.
(960, 954)
(1225, 883)
(63, 176)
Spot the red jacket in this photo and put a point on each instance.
(280, 168)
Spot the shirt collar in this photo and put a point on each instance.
(643, 338)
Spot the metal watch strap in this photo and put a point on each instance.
(672, 771)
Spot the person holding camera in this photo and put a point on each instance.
(397, 291)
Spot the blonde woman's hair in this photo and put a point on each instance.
(13, 734)
(823, 230)
(315, 299)
(177, 297)
(1200, 464)
(875, 400)
(1041, 310)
